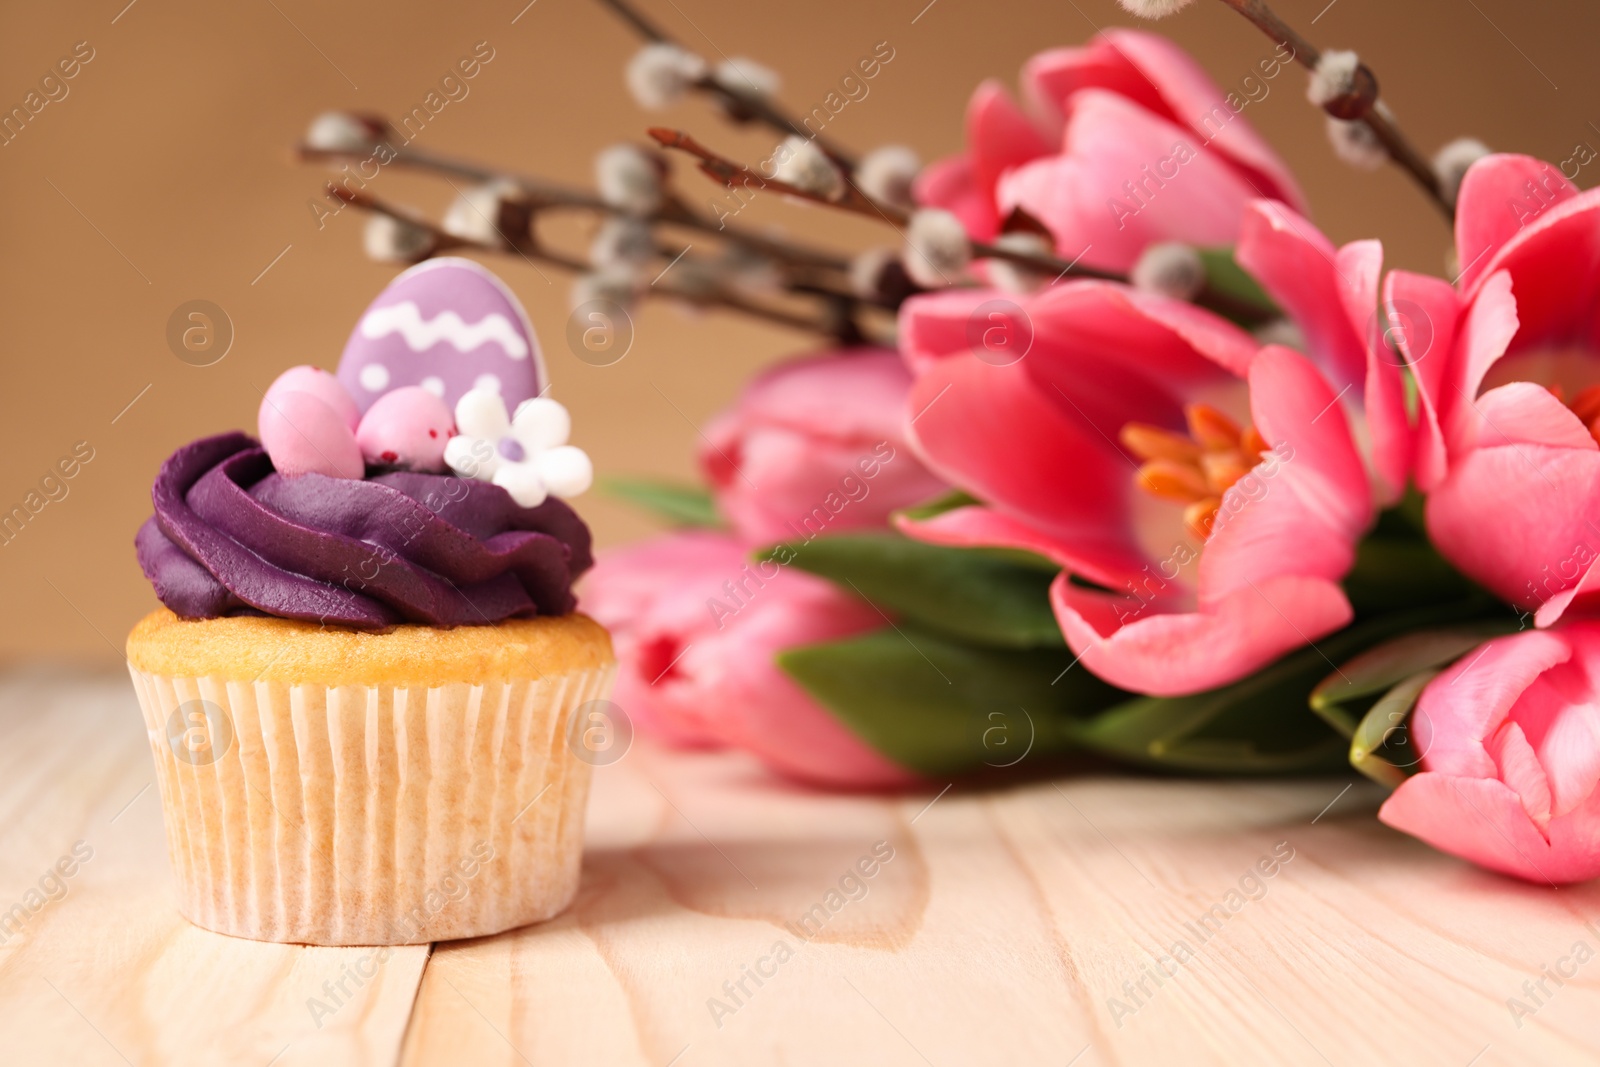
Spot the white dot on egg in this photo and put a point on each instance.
(487, 381)
(374, 377)
(433, 384)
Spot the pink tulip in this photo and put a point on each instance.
(1128, 142)
(1510, 757)
(1190, 597)
(816, 445)
(697, 624)
(1505, 363)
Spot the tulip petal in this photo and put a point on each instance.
(979, 527)
(1551, 611)
(1167, 653)
(1554, 263)
(1518, 519)
(1468, 702)
(1482, 820)
(1487, 330)
(999, 136)
(948, 184)
(1558, 715)
(1522, 413)
(1332, 294)
(1499, 196)
(1302, 509)
(1066, 482)
(1423, 316)
(1519, 769)
(1161, 77)
(1180, 191)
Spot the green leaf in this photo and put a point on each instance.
(1257, 725)
(681, 505)
(1225, 276)
(1382, 747)
(941, 707)
(975, 595)
(1376, 670)
(955, 498)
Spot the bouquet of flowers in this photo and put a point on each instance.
(1112, 452)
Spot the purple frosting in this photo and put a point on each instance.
(231, 536)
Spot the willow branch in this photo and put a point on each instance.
(545, 193)
(754, 104)
(1399, 148)
(525, 247)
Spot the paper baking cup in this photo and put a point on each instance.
(370, 815)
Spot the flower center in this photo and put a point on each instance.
(1196, 469)
(512, 449)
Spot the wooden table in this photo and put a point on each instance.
(1085, 921)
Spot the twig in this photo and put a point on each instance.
(736, 175)
(754, 104)
(525, 247)
(1388, 133)
(545, 193)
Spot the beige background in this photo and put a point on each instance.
(165, 176)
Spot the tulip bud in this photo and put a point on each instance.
(1171, 269)
(1342, 85)
(886, 174)
(1451, 163)
(937, 248)
(1154, 9)
(629, 179)
(495, 213)
(391, 240)
(800, 163)
(343, 131)
(660, 74)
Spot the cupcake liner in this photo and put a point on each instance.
(370, 815)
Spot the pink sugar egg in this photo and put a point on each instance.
(406, 427)
(320, 384)
(303, 434)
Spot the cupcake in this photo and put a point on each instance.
(367, 684)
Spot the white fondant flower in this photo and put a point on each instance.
(526, 454)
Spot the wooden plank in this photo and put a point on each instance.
(110, 973)
(727, 918)
(1015, 926)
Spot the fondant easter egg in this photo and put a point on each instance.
(303, 434)
(406, 427)
(447, 325)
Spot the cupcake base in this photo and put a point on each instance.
(371, 813)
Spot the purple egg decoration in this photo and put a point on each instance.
(447, 325)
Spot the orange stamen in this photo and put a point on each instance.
(1201, 516)
(1173, 481)
(1197, 470)
(1210, 427)
(1222, 469)
(1152, 442)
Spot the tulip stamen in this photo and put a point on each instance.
(1197, 468)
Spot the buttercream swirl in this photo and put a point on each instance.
(231, 536)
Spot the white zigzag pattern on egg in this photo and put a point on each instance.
(421, 334)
